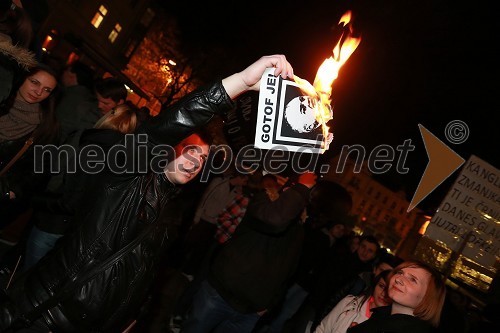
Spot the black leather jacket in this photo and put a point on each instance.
(120, 207)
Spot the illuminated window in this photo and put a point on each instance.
(114, 33)
(99, 16)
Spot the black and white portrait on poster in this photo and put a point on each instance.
(286, 118)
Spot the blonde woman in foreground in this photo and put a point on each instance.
(418, 294)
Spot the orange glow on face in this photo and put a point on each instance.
(327, 73)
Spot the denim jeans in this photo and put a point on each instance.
(211, 312)
(39, 243)
(294, 298)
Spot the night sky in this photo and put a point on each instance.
(419, 62)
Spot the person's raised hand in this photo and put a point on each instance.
(249, 78)
(252, 74)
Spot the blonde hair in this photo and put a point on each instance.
(431, 305)
(122, 118)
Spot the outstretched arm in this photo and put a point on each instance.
(249, 78)
(198, 107)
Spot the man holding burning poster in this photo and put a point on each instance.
(98, 276)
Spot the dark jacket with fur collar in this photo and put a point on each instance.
(13, 61)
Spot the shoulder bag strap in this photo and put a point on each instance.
(20, 153)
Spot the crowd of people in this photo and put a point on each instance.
(258, 252)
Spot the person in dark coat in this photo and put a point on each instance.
(54, 212)
(77, 108)
(328, 208)
(250, 273)
(15, 56)
(98, 276)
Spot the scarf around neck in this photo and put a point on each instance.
(22, 119)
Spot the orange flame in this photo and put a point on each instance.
(327, 73)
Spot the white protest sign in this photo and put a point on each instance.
(471, 209)
(285, 118)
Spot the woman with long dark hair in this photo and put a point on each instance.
(353, 310)
(28, 119)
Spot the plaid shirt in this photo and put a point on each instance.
(230, 218)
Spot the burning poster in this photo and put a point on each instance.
(293, 115)
(286, 117)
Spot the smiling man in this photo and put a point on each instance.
(99, 274)
(191, 154)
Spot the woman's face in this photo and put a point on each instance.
(37, 87)
(380, 296)
(408, 286)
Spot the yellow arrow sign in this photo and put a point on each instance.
(442, 163)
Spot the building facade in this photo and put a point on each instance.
(102, 33)
(377, 209)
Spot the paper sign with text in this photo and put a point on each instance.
(471, 209)
(285, 118)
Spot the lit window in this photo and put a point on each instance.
(114, 33)
(103, 10)
(99, 16)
